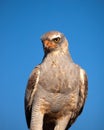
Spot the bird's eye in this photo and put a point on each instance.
(56, 40)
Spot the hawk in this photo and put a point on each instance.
(57, 88)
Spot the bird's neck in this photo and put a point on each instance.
(57, 55)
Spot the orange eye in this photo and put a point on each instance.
(56, 40)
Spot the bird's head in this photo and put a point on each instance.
(54, 41)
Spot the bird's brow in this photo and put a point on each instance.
(55, 36)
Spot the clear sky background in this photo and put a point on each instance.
(21, 25)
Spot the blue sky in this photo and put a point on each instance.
(21, 25)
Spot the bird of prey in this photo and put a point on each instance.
(57, 88)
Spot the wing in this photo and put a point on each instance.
(83, 89)
(30, 92)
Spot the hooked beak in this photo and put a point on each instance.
(49, 44)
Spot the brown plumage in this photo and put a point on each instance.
(57, 88)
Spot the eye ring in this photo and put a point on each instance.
(56, 40)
